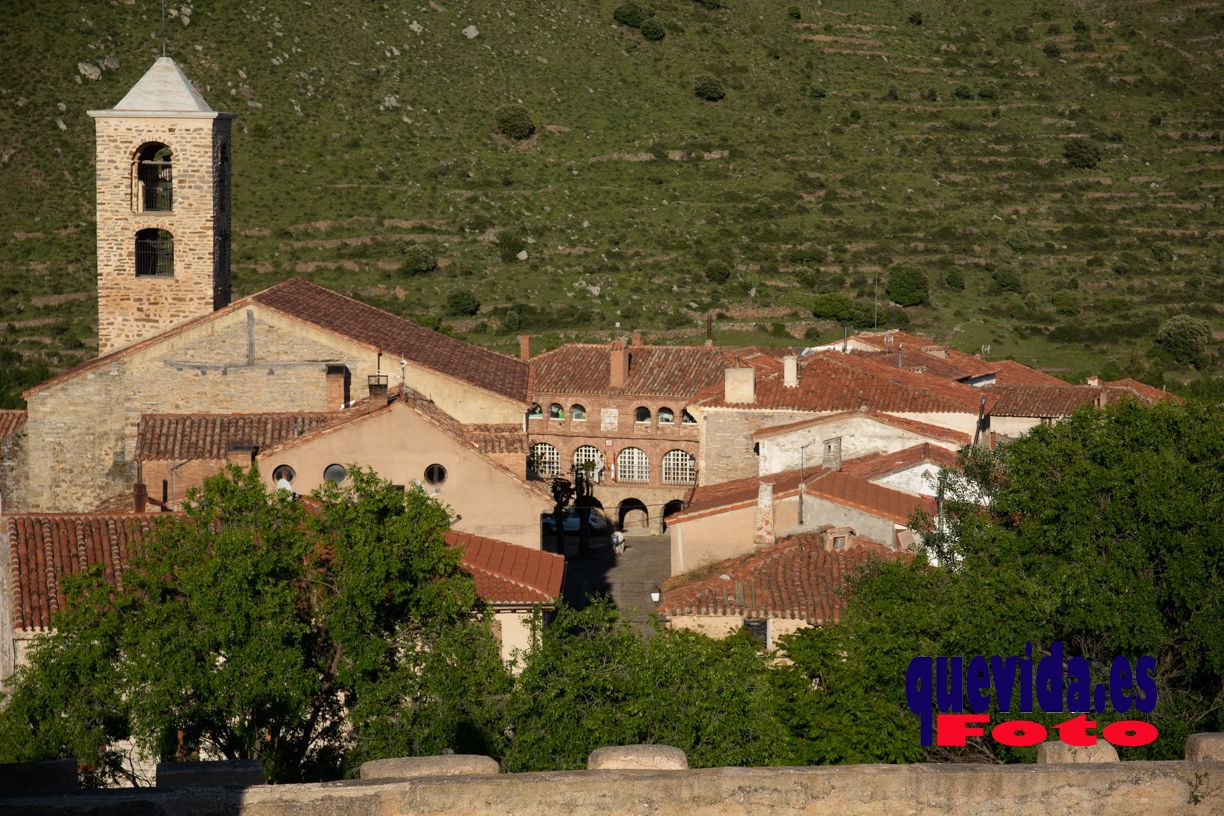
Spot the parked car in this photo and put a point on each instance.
(571, 521)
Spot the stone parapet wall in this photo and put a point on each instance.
(1119, 789)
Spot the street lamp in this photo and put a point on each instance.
(655, 594)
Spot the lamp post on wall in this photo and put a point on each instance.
(802, 448)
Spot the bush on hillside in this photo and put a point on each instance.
(907, 287)
(710, 4)
(1051, 50)
(653, 30)
(794, 13)
(514, 122)
(962, 92)
(1066, 302)
(462, 303)
(1008, 280)
(419, 259)
(955, 279)
(630, 14)
(718, 272)
(1081, 153)
(915, 18)
(1184, 339)
(708, 88)
(509, 245)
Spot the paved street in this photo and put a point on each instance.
(627, 577)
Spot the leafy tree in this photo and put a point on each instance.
(462, 302)
(1184, 339)
(252, 627)
(708, 88)
(419, 259)
(1081, 153)
(514, 122)
(907, 287)
(593, 680)
(1098, 532)
(955, 279)
(718, 272)
(1008, 280)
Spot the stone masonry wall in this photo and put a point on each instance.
(12, 471)
(132, 308)
(1117, 788)
(727, 444)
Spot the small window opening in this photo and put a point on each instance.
(578, 413)
(335, 473)
(535, 411)
(154, 254)
(687, 418)
(839, 542)
(154, 178)
(555, 411)
(641, 414)
(666, 416)
(435, 474)
(758, 629)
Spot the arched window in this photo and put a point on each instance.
(535, 411)
(335, 473)
(687, 418)
(632, 465)
(641, 414)
(544, 461)
(666, 416)
(577, 413)
(154, 182)
(679, 467)
(555, 411)
(154, 254)
(588, 460)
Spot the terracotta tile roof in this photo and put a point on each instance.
(11, 422)
(497, 438)
(394, 335)
(922, 428)
(797, 579)
(832, 381)
(922, 352)
(209, 436)
(507, 574)
(662, 371)
(45, 549)
(1143, 391)
(873, 467)
(837, 487)
(1009, 372)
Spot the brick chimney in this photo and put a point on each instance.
(636, 339)
(739, 385)
(337, 387)
(377, 385)
(524, 347)
(241, 454)
(140, 496)
(763, 534)
(790, 371)
(619, 364)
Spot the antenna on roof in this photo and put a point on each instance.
(162, 34)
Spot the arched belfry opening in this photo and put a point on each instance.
(153, 179)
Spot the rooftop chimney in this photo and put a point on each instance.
(241, 454)
(832, 458)
(763, 534)
(637, 338)
(337, 387)
(739, 385)
(377, 384)
(619, 362)
(524, 347)
(790, 371)
(140, 497)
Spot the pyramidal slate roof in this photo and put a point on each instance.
(164, 87)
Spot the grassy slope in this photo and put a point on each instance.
(632, 185)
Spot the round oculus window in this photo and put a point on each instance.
(335, 473)
(435, 474)
(283, 473)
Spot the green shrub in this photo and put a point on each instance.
(1155, 120)
(955, 279)
(710, 4)
(817, 92)
(630, 14)
(419, 259)
(907, 287)
(1051, 50)
(1081, 153)
(1022, 34)
(462, 303)
(1008, 280)
(962, 92)
(509, 245)
(1066, 303)
(988, 92)
(915, 18)
(1162, 253)
(718, 272)
(793, 13)
(931, 95)
(708, 88)
(511, 322)
(1185, 339)
(653, 30)
(1017, 240)
(514, 122)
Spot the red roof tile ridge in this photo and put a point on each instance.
(925, 428)
(880, 464)
(12, 420)
(549, 566)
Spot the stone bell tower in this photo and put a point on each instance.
(163, 173)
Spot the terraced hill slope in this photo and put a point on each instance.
(862, 137)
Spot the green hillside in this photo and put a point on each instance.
(863, 138)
